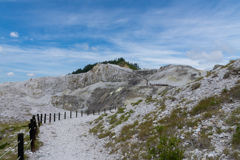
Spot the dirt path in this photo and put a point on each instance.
(70, 140)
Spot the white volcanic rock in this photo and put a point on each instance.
(96, 88)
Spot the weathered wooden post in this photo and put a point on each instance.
(93, 112)
(59, 116)
(38, 120)
(54, 117)
(70, 114)
(104, 110)
(76, 113)
(64, 115)
(20, 146)
(50, 116)
(35, 126)
(45, 118)
(110, 109)
(41, 119)
(98, 111)
(32, 134)
(81, 113)
(88, 112)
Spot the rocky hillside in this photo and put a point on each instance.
(104, 86)
(197, 120)
(196, 114)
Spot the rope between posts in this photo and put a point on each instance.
(28, 145)
(28, 132)
(9, 150)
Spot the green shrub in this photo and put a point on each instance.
(167, 149)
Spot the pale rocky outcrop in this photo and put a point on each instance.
(96, 89)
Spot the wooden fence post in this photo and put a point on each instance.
(54, 117)
(93, 112)
(38, 120)
(88, 112)
(64, 115)
(50, 116)
(35, 126)
(70, 114)
(98, 111)
(45, 118)
(59, 116)
(76, 113)
(104, 110)
(20, 146)
(110, 109)
(32, 133)
(81, 113)
(41, 119)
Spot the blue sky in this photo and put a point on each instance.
(53, 38)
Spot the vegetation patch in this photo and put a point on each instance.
(137, 103)
(195, 86)
(8, 138)
(207, 104)
(167, 148)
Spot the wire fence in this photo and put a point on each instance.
(37, 121)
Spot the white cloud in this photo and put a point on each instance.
(1, 49)
(204, 57)
(10, 74)
(14, 34)
(31, 74)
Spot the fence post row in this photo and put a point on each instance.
(33, 129)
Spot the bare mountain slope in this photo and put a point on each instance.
(106, 85)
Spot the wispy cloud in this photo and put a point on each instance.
(10, 74)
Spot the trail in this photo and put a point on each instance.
(70, 140)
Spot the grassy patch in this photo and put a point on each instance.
(234, 118)
(149, 99)
(207, 104)
(9, 139)
(137, 103)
